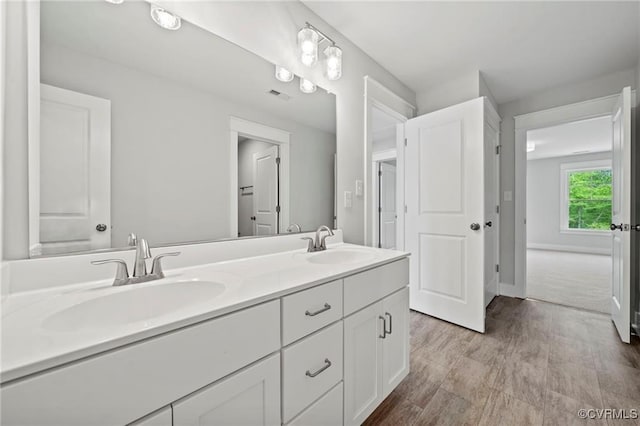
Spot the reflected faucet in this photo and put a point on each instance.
(320, 243)
(142, 254)
(294, 227)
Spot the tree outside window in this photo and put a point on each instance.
(589, 199)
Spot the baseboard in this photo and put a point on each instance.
(511, 290)
(572, 249)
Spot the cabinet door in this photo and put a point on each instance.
(249, 397)
(395, 345)
(158, 418)
(362, 363)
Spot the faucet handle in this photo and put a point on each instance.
(156, 266)
(122, 273)
(310, 246)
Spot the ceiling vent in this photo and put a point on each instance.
(279, 95)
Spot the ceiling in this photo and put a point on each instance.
(579, 137)
(520, 47)
(126, 35)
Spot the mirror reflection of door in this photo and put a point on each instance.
(387, 215)
(75, 146)
(258, 179)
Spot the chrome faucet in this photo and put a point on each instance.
(140, 274)
(320, 243)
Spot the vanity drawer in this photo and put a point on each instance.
(324, 412)
(367, 287)
(310, 368)
(310, 310)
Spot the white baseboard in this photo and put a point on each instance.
(511, 290)
(572, 249)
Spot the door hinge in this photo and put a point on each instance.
(498, 209)
(379, 172)
(277, 209)
(379, 209)
(405, 141)
(278, 160)
(497, 268)
(405, 208)
(498, 149)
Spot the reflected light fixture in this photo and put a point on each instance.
(307, 86)
(309, 40)
(334, 62)
(531, 146)
(283, 74)
(165, 19)
(115, 1)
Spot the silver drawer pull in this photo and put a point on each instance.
(390, 331)
(313, 314)
(384, 327)
(327, 364)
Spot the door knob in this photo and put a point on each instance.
(488, 224)
(253, 218)
(101, 227)
(475, 227)
(613, 227)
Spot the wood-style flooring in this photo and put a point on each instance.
(580, 280)
(538, 363)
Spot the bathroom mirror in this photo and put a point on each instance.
(177, 136)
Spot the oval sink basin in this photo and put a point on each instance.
(132, 306)
(339, 256)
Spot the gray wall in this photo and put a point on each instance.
(457, 90)
(543, 207)
(170, 152)
(591, 89)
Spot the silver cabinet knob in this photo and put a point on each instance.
(475, 227)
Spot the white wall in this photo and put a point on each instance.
(582, 91)
(457, 90)
(246, 149)
(543, 208)
(170, 167)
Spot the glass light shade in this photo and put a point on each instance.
(334, 62)
(531, 146)
(165, 19)
(307, 86)
(283, 74)
(308, 46)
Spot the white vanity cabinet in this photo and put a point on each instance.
(249, 397)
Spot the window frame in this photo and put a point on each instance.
(565, 169)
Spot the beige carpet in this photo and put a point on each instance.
(571, 279)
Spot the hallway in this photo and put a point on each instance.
(538, 363)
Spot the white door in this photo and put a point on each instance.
(362, 363)
(387, 208)
(395, 345)
(444, 193)
(621, 216)
(491, 217)
(250, 397)
(75, 177)
(265, 192)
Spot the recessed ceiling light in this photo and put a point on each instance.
(165, 19)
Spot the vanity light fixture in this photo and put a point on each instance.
(531, 146)
(283, 74)
(309, 39)
(165, 19)
(307, 86)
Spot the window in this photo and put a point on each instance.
(587, 196)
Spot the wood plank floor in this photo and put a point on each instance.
(538, 363)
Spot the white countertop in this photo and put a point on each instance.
(29, 346)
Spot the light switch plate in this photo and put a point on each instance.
(359, 188)
(508, 196)
(348, 199)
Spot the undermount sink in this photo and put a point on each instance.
(339, 256)
(135, 305)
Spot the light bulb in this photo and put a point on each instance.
(165, 19)
(308, 46)
(307, 86)
(334, 62)
(114, 1)
(283, 74)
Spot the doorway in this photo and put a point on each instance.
(569, 189)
